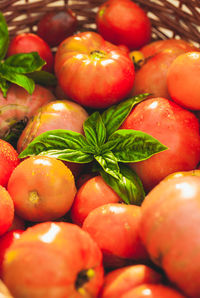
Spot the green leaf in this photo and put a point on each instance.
(43, 78)
(95, 131)
(4, 86)
(16, 78)
(133, 145)
(24, 63)
(128, 186)
(62, 144)
(4, 37)
(114, 116)
(109, 164)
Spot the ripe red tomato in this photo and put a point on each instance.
(176, 128)
(5, 242)
(61, 24)
(115, 228)
(6, 210)
(53, 259)
(29, 42)
(93, 72)
(42, 188)
(183, 80)
(170, 230)
(94, 193)
(8, 161)
(124, 22)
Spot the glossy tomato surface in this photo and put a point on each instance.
(92, 71)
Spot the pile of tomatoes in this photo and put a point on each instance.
(65, 229)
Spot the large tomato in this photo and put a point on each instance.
(92, 71)
(170, 230)
(176, 128)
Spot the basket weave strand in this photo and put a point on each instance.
(169, 18)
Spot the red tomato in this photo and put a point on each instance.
(42, 188)
(5, 242)
(8, 161)
(93, 72)
(123, 22)
(115, 228)
(153, 291)
(29, 42)
(53, 259)
(169, 229)
(61, 24)
(183, 80)
(176, 128)
(6, 210)
(93, 193)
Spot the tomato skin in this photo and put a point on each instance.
(103, 73)
(170, 230)
(29, 42)
(6, 210)
(183, 80)
(42, 188)
(123, 22)
(176, 128)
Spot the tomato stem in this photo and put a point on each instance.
(97, 54)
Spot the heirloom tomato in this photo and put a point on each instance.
(92, 71)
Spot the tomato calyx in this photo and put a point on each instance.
(83, 277)
(34, 197)
(97, 54)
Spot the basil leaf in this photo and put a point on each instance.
(24, 62)
(4, 86)
(95, 131)
(63, 144)
(114, 116)
(128, 186)
(133, 145)
(16, 78)
(109, 163)
(43, 78)
(4, 37)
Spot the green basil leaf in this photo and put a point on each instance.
(4, 37)
(114, 116)
(24, 63)
(4, 86)
(95, 131)
(16, 78)
(109, 164)
(128, 186)
(133, 145)
(63, 144)
(43, 78)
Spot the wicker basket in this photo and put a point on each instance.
(169, 18)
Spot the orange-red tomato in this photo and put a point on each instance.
(42, 188)
(6, 210)
(183, 80)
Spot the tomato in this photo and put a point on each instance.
(93, 193)
(6, 210)
(93, 72)
(62, 24)
(176, 128)
(153, 291)
(53, 259)
(170, 230)
(115, 228)
(123, 22)
(5, 242)
(29, 42)
(119, 281)
(183, 80)
(8, 161)
(42, 188)
(154, 47)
